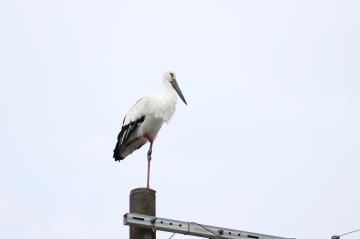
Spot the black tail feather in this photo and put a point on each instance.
(117, 155)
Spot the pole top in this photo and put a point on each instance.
(142, 190)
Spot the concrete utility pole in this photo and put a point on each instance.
(142, 201)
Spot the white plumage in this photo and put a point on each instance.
(144, 120)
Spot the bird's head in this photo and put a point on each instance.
(169, 79)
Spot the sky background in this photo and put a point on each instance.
(269, 141)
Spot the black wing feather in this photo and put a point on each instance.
(124, 135)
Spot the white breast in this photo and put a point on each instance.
(164, 108)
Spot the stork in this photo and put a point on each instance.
(145, 118)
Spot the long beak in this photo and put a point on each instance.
(177, 88)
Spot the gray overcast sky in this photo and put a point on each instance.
(269, 141)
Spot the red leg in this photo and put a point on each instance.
(149, 159)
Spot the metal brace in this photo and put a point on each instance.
(189, 228)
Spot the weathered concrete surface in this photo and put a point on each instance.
(142, 201)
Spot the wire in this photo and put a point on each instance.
(349, 232)
(209, 230)
(172, 235)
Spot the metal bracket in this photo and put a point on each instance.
(190, 228)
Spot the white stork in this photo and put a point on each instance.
(144, 120)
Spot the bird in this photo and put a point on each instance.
(145, 118)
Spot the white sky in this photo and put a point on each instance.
(269, 141)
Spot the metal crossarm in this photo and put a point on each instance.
(190, 228)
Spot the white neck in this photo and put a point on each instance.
(170, 91)
(169, 100)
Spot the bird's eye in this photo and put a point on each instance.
(172, 75)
